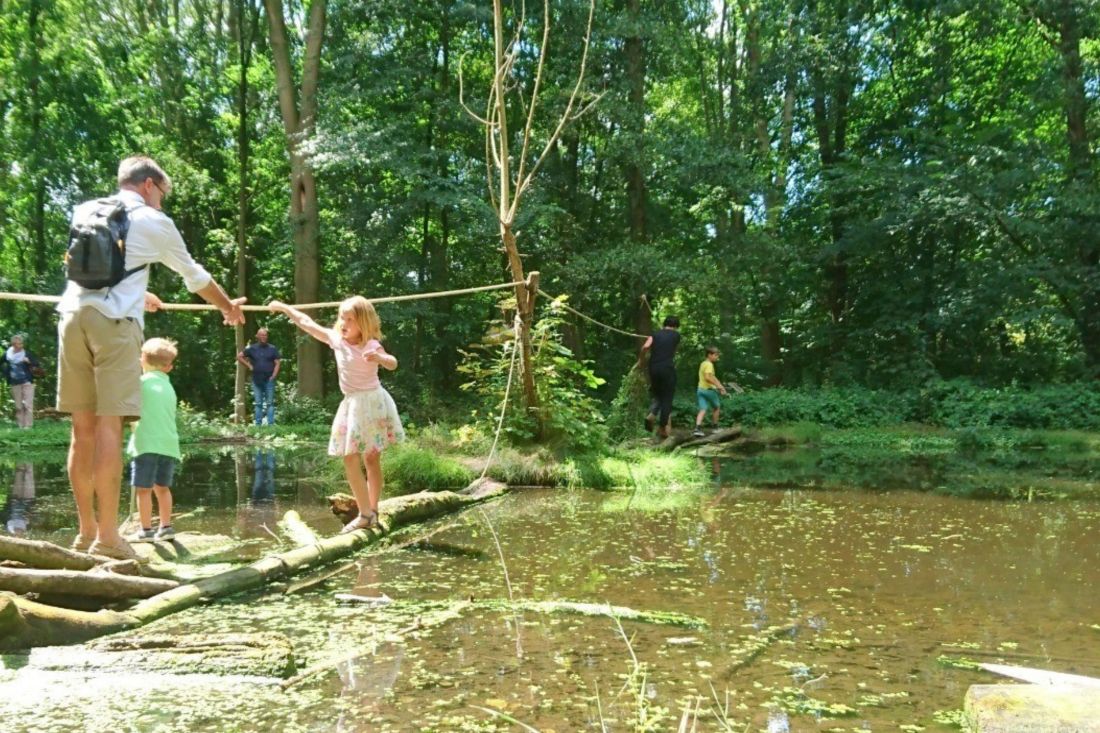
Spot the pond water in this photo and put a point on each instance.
(825, 610)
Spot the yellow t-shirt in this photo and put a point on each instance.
(706, 369)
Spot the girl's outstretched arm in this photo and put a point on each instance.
(384, 359)
(301, 320)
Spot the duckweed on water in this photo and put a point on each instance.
(834, 568)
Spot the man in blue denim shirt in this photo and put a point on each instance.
(263, 360)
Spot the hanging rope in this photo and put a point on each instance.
(576, 312)
(30, 298)
(507, 391)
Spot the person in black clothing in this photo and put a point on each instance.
(19, 368)
(662, 373)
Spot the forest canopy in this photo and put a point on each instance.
(834, 192)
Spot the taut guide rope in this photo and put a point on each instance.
(31, 298)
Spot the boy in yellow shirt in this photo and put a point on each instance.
(706, 393)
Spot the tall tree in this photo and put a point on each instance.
(511, 173)
(298, 106)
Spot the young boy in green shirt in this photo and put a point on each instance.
(155, 443)
(706, 393)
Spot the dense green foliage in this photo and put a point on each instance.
(894, 195)
(954, 404)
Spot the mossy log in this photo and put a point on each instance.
(687, 440)
(577, 608)
(1013, 708)
(110, 586)
(25, 624)
(252, 655)
(662, 618)
(189, 547)
(296, 530)
(46, 555)
(37, 625)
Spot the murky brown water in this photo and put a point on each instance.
(871, 594)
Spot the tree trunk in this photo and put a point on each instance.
(246, 20)
(299, 116)
(1081, 174)
(439, 265)
(525, 302)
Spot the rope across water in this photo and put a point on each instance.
(31, 298)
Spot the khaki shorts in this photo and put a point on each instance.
(98, 364)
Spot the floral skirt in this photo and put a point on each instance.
(365, 422)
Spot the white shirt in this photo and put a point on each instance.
(152, 238)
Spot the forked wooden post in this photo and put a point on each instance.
(532, 288)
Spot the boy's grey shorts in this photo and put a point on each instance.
(152, 469)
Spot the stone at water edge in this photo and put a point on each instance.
(1032, 709)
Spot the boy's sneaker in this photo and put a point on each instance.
(165, 534)
(698, 433)
(142, 535)
(650, 422)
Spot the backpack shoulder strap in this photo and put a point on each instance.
(126, 228)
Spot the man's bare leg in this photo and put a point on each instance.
(82, 473)
(108, 476)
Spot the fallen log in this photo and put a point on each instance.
(110, 586)
(296, 530)
(253, 655)
(38, 625)
(662, 618)
(46, 555)
(26, 624)
(687, 440)
(322, 576)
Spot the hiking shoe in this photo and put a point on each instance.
(363, 521)
(142, 535)
(698, 433)
(119, 551)
(650, 421)
(165, 534)
(81, 544)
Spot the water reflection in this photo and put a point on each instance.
(256, 511)
(263, 477)
(20, 502)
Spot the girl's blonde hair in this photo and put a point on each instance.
(365, 317)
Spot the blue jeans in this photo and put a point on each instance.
(263, 400)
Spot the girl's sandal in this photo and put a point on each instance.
(363, 521)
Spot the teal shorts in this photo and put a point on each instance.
(707, 399)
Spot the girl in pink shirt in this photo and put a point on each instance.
(367, 419)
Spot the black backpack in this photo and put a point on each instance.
(96, 257)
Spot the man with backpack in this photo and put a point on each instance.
(111, 244)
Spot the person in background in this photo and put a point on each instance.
(662, 373)
(707, 391)
(263, 360)
(20, 367)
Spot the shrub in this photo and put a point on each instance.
(409, 468)
(572, 418)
